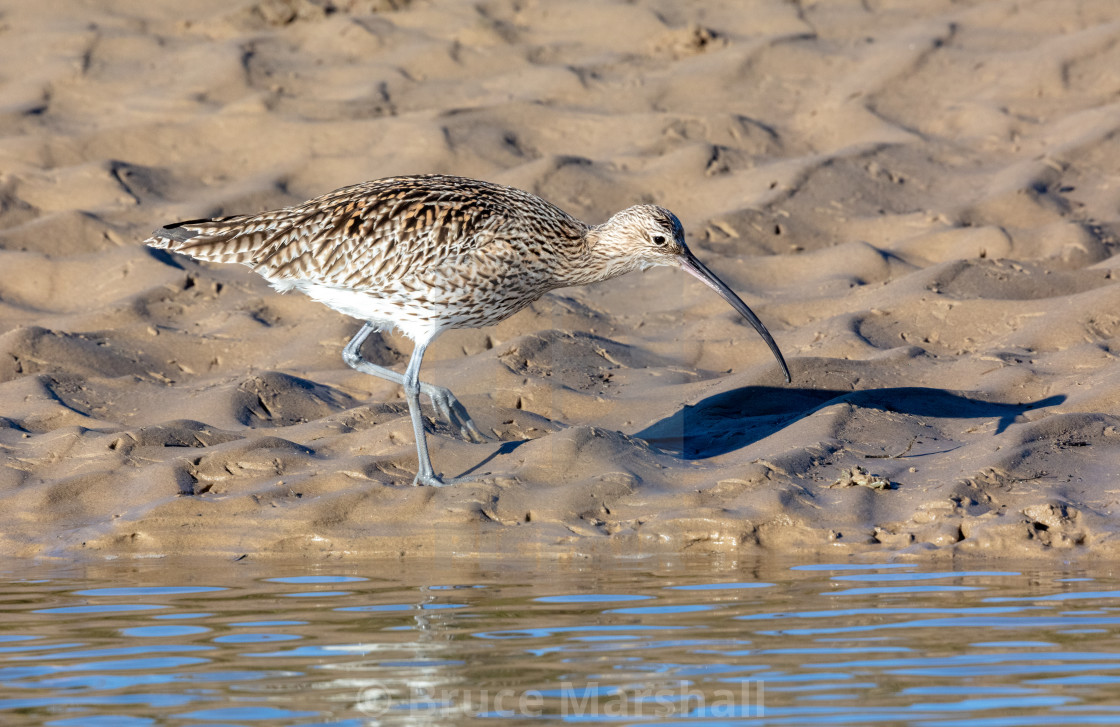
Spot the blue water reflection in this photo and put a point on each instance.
(661, 642)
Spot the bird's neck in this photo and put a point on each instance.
(595, 258)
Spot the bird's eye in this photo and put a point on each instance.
(659, 239)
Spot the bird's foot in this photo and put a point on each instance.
(432, 480)
(454, 413)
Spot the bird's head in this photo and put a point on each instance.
(645, 235)
(640, 237)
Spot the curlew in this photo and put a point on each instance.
(426, 254)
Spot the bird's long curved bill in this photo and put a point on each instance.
(690, 264)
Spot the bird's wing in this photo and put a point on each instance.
(372, 233)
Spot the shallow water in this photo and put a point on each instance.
(665, 641)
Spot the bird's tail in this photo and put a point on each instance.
(222, 240)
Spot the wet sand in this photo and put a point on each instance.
(921, 200)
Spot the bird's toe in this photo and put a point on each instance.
(432, 480)
(471, 433)
(454, 413)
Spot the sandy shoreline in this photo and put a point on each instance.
(920, 200)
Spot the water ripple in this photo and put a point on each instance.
(634, 643)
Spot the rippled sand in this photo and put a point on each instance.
(920, 199)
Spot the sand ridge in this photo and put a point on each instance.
(920, 199)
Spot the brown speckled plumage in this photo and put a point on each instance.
(430, 253)
(468, 252)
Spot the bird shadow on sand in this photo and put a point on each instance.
(504, 449)
(734, 419)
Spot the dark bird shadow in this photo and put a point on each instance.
(505, 448)
(165, 257)
(734, 419)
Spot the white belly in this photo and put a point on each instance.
(385, 312)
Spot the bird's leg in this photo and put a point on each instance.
(445, 403)
(425, 475)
